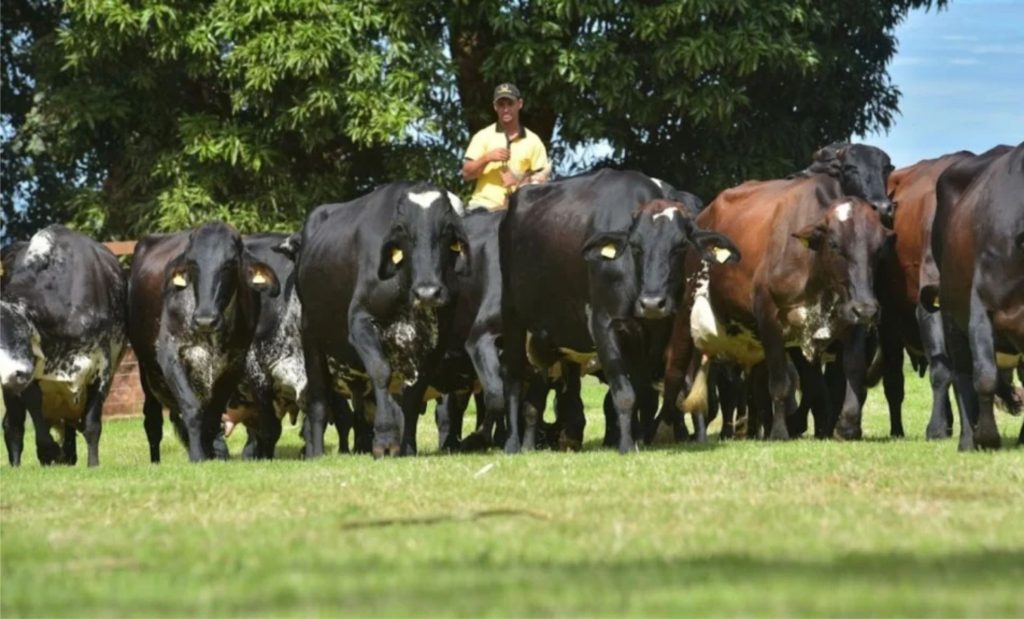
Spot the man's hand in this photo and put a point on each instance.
(509, 178)
(498, 154)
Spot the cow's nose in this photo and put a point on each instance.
(884, 208)
(205, 322)
(864, 312)
(652, 307)
(428, 294)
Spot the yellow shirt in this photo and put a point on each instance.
(527, 155)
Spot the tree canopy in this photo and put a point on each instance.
(126, 117)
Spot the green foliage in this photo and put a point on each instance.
(128, 117)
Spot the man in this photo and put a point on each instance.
(505, 155)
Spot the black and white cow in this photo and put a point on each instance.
(194, 304)
(376, 277)
(62, 334)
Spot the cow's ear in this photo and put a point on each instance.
(715, 248)
(391, 259)
(290, 246)
(260, 277)
(176, 275)
(812, 236)
(604, 246)
(459, 246)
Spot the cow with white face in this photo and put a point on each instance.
(62, 335)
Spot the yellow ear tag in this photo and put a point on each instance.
(456, 247)
(609, 251)
(179, 280)
(259, 278)
(804, 241)
(396, 255)
(935, 302)
(722, 255)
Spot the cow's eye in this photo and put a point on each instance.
(179, 280)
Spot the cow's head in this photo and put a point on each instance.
(849, 242)
(862, 171)
(214, 268)
(655, 244)
(427, 243)
(19, 349)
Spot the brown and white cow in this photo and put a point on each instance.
(810, 245)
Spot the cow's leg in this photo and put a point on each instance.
(569, 409)
(389, 422)
(891, 343)
(855, 368)
(412, 407)
(364, 414)
(449, 414)
(729, 395)
(963, 386)
(940, 374)
(782, 376)
(514, 366)
(483, 352)
(986, 373)
(810, 392)
(69, 448)
(47, 450)
(190, 412)
(614, 366)
(317, 385)
(343, 419)
(93, 422)
(153, 420)
(14, 427)
(269, 426)
(611, 421)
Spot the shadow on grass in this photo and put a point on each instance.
(481, 584)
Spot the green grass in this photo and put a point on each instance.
(877, 527)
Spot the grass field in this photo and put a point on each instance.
(877, 527)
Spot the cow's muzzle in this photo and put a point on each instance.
(652, 307)
(861, 312)
(206, 323)
(429, 296)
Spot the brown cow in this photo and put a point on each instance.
(805, 279)
(980, 252)
(903, 323)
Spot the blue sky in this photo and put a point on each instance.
(961, 72)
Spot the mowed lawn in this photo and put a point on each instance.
(878, 527)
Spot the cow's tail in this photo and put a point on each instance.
(876, 369)
(696, 401)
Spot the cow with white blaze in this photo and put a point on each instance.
(376, 278)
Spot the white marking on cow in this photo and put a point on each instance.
(39, 247)
(424, 199)
(660, 183)
(712, 337)
(9, 366)
(843, 211)
(457, 205)
(669, 213)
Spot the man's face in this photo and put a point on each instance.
(508, 109)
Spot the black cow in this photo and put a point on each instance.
(62, 334)
(194, 304)
(376, 277)
(586, 271)
(979, 248)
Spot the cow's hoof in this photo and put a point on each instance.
(897, 433)
(567, 443)
(408, 450)
(936, 431)
(476, 441)
(987, 441)
(379, 452)
(847, 434)
(512, 446)
(965, 445)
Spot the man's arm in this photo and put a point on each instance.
(473, 168)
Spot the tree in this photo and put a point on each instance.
(129, 117)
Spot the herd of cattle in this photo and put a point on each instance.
(815, 283)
